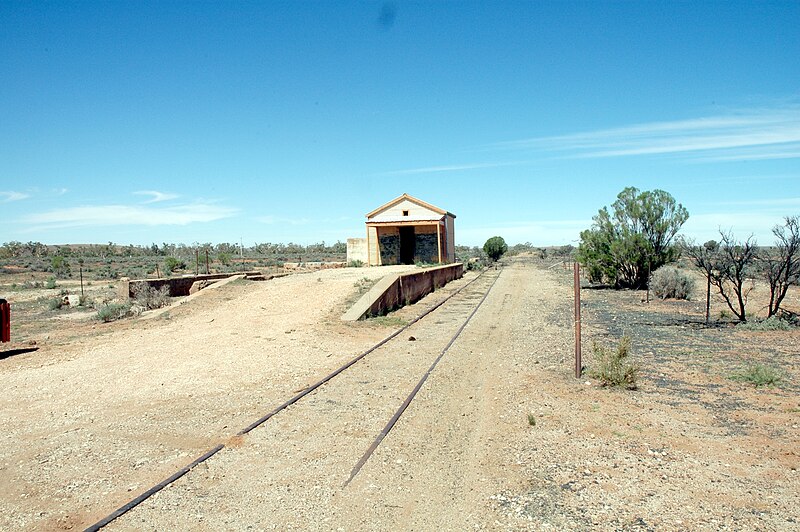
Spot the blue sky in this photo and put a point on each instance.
(138, 122)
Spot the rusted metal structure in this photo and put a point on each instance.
(5, 321)
(577, 283)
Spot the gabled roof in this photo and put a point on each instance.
(413, 200)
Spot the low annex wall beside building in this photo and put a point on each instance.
(395, 291)
(357, 250)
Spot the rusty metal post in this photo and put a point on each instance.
(577, 276)
(5, 321)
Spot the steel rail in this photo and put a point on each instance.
(181, 472)
(383, 433)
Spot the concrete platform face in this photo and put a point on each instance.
(395, 291)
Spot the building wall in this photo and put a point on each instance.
(426, 244)
(373, 253)
(450, 229)
(389, 245)
(357, 250)
(415, 212)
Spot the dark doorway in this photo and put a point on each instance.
(407, 245)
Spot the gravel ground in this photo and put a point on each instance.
(103, 411)
(500, 437)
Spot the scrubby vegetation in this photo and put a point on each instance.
(669, 282)
(622, 248)
(732, 266)
(112, 261)
(113, 311)
(758, 375)
(773, 323)
(612, 367)
(149, 298)
(495, 248)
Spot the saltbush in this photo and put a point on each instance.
(113, 311)
(773, 323)
(149, 297)
(668, 282)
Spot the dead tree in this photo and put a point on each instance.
(704, 258)
(782, 267)
(732, 265)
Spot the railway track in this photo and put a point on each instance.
(341, 419)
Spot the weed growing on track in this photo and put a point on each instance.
(613, 367)
(758, 375)
(531, 419)
(389, 321)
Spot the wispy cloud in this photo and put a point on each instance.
(771, 133)
(449, 168)
(10, 195)
(60, 191)
(156, 196)
(137, 215)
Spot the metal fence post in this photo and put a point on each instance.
(577, 279)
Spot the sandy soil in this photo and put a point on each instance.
(501, 437)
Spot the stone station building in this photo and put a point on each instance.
(406, 231)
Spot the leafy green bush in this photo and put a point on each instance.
(171, 264)
(51, 283)
(622, 247)
(758, 375)
(224, 258)
(613, 367)
(495, 247)
(60, 266)
(113, 311)
(355, 264)
(668, 282)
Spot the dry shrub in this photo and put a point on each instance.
(150, 298)
(668, 282)
(612, 366)
(113, 311)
